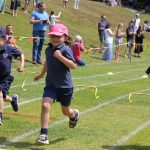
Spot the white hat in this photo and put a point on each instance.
(78, 38)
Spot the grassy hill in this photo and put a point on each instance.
(104, 121)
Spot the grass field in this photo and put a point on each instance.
(109, 122)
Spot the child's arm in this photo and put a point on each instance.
(21, 68)
(44, 70)
(68, 63)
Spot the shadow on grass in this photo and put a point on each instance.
(96, 57)
(128, 147)
(28, 145)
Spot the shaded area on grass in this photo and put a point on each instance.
(127, 147)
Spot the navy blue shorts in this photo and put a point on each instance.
(62, 95)
(5, 84)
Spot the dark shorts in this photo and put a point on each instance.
(101, 36)
(5, 84)
(14, 5)
(62, 95)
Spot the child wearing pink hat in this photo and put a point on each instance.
(59, 86)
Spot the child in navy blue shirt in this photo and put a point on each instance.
(6, 54)
(59, 86)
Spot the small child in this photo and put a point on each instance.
(77, 47)
(53, 18)
(59, 86)
(10, 38)
(118, 40)
(6, 54)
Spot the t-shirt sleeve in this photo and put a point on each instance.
(33, 15)
(68, 54)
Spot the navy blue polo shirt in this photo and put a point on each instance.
(58, 75)
(6, 54)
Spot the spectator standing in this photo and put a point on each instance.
(39, 19)
(101, 27)
(2, 6)
(130, 38)
(14, 7)
(136, 22)
(139, 42)
(65, 3)
(76, 4)
(118, 40)
(108, 54)
(53, 18)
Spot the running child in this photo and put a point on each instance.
(6, 54)
(59, 86)
(77, 48)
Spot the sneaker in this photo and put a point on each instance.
(34, 62)
(73, 122)
(42, 139)
(0, 121)
(14, 102)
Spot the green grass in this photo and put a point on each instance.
(100, 127)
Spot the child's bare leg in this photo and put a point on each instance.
(1, 102)
(1, 106)
(46, 104)
(8, 99)
(67, 111)
(73, 115)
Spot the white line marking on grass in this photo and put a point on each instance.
(76, 78)
(59, 122)
(79, 89)
(26, 134)
(130, 135)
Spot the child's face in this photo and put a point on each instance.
(9, 30)
(2, 41)
(57, 40)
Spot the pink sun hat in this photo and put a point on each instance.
(58, 30)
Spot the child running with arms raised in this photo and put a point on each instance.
(6, 54)
(59, 86)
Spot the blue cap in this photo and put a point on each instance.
(2, 32)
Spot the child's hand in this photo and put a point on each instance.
(20, 69)
(57, 54)
(38, 77)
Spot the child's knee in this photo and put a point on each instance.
(45, 106)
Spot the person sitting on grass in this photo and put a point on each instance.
(6, 54)
(59, 86)
(77, 47)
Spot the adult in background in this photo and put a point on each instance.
(2, 6)
(39, 19)
(14, 7)
(130, 38)
(108, 33)
(101, 27)
(139, 42)
(76, 4)
(136, 22)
